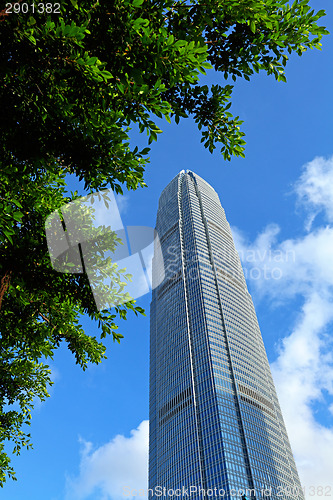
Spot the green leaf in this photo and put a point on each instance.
(145, 151)
(170, 40)
(8, 235)
(31, 21)
(17, 216)
(32, 39)
(91, 60)
(16, 202)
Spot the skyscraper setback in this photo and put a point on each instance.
(216, 426)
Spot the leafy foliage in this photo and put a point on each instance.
(72, 85)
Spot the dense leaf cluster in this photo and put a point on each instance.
(72, 85)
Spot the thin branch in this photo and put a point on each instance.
(5, 281)
(44, 317)
(4, 13)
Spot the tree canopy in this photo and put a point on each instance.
(76, 76)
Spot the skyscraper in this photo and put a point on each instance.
(216, 427)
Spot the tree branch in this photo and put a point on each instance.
(4, 13)
(5, 281)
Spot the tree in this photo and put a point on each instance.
(76, 76)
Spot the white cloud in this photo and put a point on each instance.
(315, 187)
(303, 373)
(118, 467)
(303, 370)
(289, 267)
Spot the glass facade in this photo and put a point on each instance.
(216, 428)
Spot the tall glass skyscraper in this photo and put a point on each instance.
(216, 427)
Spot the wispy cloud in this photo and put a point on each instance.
(119, 466)
(314, 189)
(288, 267)
(303, 373)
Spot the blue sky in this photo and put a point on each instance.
(90, 436)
